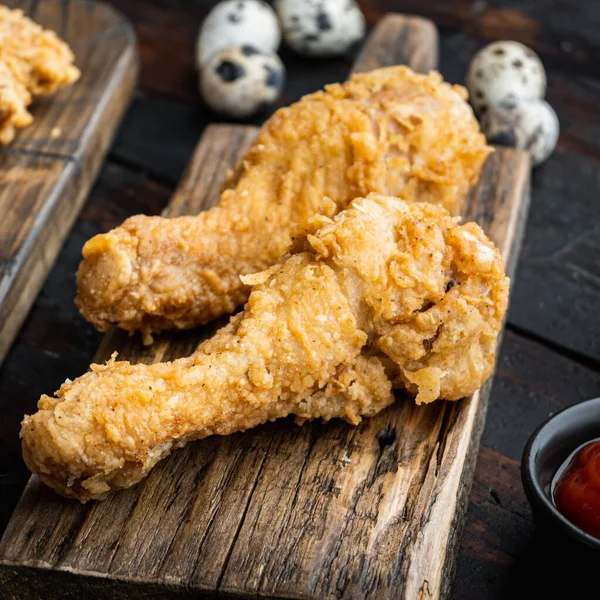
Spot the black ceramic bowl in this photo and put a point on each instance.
(547, 449)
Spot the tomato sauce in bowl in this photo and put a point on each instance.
(576, 488)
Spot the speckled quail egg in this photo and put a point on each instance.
(501, 70)
(528, 124)
(321, 27)
(237, 23)
(239, 82)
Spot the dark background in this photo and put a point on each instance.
(550, 356)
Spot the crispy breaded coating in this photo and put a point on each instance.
(33, 62)
(385, 292)
(390, 131)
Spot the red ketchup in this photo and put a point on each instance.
(577, 488)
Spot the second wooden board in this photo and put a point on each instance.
(48, 169)
(319, 511)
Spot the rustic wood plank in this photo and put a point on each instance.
(557, 294)
(45, 177)
(322, 511)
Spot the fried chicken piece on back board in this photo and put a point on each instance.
(390, 131)
(33, 62)
(387, 291)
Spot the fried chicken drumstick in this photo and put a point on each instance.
(387, 291)
(33, 62)
(390, 131)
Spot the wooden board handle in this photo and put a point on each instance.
(400, 40)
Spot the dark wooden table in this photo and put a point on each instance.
(550, 356)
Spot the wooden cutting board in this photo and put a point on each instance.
(319, 511)
(46, 173)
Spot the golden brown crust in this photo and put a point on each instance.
(33, 62)
(390, 131)
(363, 299)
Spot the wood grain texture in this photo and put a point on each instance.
(321, 511)
(46, 173)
